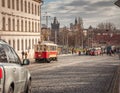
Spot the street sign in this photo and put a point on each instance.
(117, 3)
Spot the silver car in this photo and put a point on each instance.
(14, 77)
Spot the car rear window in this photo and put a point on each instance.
(3, 57)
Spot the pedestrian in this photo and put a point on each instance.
(72, 50)
(102, 52)
(26, 54)
(119, 53)
(23, 54)
(79, 52)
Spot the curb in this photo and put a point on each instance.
(114, 86)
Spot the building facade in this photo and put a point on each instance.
(77, 29)
(20, 24)
(102, 37)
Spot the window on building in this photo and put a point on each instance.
(9, 42)
(26, 26)
(35, 10)
(21, 5)
(38, 27)
(35, 26)
(26, 44)
(32, 26)
(4, 24)
(22, 45)
(32, 9)
(13, 4)
(17, 4)
(29, 26)
(13, 24)
(22, 26)
(38, 10)
(35, 41)
(25, 6)
(3, 3)
(8, 3)
(14, 44)
(18, 24)
(29, 43)
(28, 7)
(32, 43)
(9, 24)
(18, 45)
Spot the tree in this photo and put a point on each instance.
(106, 26)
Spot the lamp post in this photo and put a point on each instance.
(46, 17)
(90, 37)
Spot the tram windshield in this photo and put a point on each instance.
(39, 48)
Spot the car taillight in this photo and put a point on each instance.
(1, 73)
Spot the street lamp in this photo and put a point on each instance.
(46, 16)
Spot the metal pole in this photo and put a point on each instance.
(46, 16)
(56, 36)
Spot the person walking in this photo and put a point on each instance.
(26, 54)
(119, 53)
(23, 54)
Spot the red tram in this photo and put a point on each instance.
(45, 51)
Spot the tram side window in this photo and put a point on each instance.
(45, 48)
(40, 48)
(53, 48)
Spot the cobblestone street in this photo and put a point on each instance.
(75, 74)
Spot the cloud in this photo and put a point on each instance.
(91, 11)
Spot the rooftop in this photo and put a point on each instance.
(38, 0)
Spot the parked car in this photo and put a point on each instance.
(95, 51)
(14, 77)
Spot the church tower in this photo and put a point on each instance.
(55, 30)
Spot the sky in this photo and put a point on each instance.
(92, 12)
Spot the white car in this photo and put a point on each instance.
(14, 77)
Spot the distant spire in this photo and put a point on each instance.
(75, 21)
(79, 20)
(55, 20)
(90, 27)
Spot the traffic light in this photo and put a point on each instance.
(117, 3)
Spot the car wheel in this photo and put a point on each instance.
(10, 90)
(48, 60)
(29, 88)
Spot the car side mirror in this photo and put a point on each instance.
(26, 62)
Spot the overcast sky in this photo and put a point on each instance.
(92, 12)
